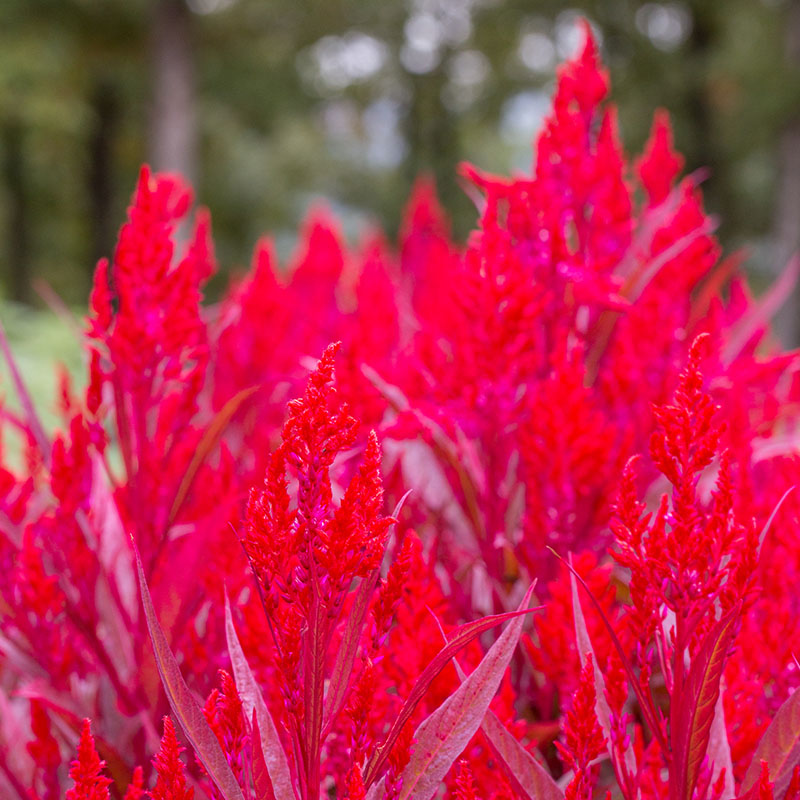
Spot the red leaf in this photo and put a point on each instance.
(186, 710)
(719, 753)
(527, 775)
(31, 417)
(585, 648)
(779, 747)
(643, 701)
(271, 748)
(345, 657)
(206, 444)
(314, 691)
(760, 313)
(697, 704)
(445, 733)
(262, 782)
(458, 639)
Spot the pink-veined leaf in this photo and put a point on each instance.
(31, 417)
(314, 691)
(697, 704)
(184, 706)
(377, 790)
(528, 777)
(768, 523)
(13, 738)
(459, 638)
(206, 444)
(761, 312)
(719, 753)
(779, 747)
(456, 455)
(262, 783)
(348, 648)
(602, 709)
(442, 736)
(640, 696)
(253, 703)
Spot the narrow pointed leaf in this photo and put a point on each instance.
(253, 703)
(779, 747)
(643, 701)
(443, 735)
(31, 417)
(348, 649)
(206, 444)
(262, 783)
(528, 777)
(761, 312)
(602, 709)
(719, 753)
(377, 791)
(768, 523)
(184, 706)
(697, 705)
(459, 638)
(314, 691)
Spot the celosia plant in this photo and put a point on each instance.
(241, 573)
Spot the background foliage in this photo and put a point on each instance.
(268, 105)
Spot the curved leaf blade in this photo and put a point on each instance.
(206, 444)
(252, 699)
(779, 747)
(442, 736)
(698, 702)
(528, 777)
(186, 710)
(645, 706)
(345, 658)
(719, 753)
(346, 655)
(601, 707)
(262, 782)
(526, 774)
(459, 638)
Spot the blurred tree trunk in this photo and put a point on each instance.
(434, 147)
(18, 241)
(701, 44)
(786, 231)
(173, 125)
(100, 177)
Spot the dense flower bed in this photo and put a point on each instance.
(524, 530)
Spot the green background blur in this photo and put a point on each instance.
(268, 105)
